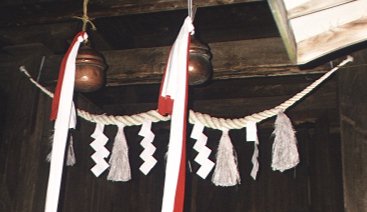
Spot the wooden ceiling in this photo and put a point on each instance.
(135, 36)
(132, 24)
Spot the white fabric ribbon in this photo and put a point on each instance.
(65, 117)
(173, 99)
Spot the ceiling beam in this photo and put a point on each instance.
(236, 59)
(51, 12)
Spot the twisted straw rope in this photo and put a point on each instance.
(207, 120)
(85, 18)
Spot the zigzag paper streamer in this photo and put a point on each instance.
(101, 151)
(206, 165)
(251, 135)
(149, 148)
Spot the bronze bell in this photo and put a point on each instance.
(200, 68)
(90, 67)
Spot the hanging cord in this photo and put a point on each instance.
(207, 120)
(189, 9)
(85, 18)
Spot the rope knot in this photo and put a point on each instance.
(86, 20)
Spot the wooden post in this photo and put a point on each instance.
(353, 121)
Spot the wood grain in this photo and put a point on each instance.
(237, 59)
(50, 12)
(352, 105)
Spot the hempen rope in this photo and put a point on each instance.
(207, 120)
(85, 18)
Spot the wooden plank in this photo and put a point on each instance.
(304, 7)
(237, 59)
(151, 29)
(329, 28)
(41, 13)
(326, 193)
(353, 123)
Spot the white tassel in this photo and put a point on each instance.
(226, 171)
(285, 154)
(119, 160)
(48, 157)
(70, 158)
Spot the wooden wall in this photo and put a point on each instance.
(315, 185)
(353, 121)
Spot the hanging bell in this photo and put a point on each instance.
(200, 68)
(90, 69)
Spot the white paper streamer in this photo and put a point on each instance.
(149, 149)
(251, 135)
(226, 170)
(119, 160)
(285, 154)
(206, 165)
(101, 153)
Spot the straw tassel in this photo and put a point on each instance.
(226, 170)
(119, 160)
(285, 154)
(70, 157)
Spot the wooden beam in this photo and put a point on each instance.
(237, 59)
(353, 123)
(41, 13)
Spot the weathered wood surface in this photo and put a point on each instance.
(334, 39)
(236, 59)
(324, 161)
(353, 127)
(313, 35)
(56, 11)
(151, 29)
(23, 128)
(301, 8)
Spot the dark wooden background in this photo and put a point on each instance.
(315, 185)
(251, 73)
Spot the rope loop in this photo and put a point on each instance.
(194, 117)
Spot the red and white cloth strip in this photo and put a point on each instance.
(63, 111)
(173, 100)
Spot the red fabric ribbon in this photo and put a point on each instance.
(173, 101)
(56, 99)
